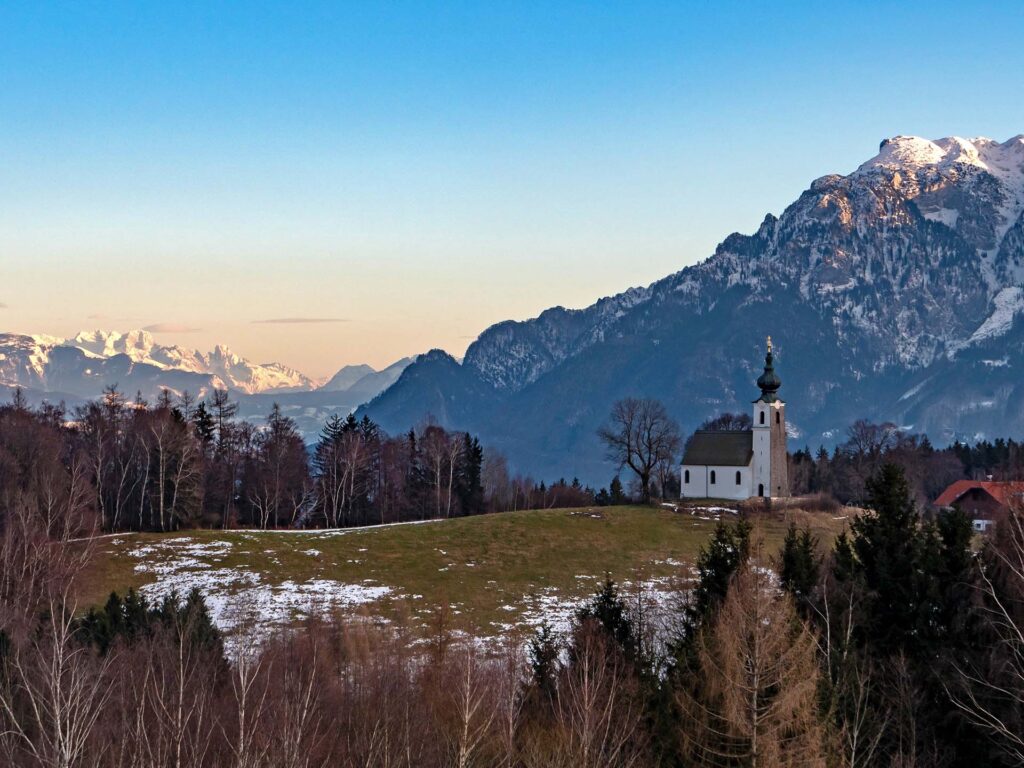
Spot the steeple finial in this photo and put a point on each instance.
(769, 381)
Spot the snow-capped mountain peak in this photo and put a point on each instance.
(78, 363)
(1004, 160)
(950, 179)
(136, 344)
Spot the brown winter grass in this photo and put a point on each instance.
(489, 570)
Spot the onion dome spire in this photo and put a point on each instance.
(768, 381)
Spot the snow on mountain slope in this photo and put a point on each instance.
(40, 361)
(78, 368)
(858, 250)
(511, 355)
(235, 371)
(1008, 303)
(946, 176)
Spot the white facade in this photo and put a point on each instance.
(765, 416)
(717, 482)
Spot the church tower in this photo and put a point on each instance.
(770, 464)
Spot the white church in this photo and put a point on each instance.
(740, 464)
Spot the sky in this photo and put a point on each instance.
(324, 184)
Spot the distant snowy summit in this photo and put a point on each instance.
(230, 370)
(84, 364)
(946, 176)
(1004, 160)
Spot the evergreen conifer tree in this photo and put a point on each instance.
(800, 562)
(543, 652)
(608, 610)
(615, 493)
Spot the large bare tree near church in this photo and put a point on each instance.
(640, 435)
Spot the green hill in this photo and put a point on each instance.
(484, 575)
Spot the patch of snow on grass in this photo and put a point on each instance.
(547, 606)
(239, 598)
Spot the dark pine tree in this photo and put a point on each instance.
(800, 563)
(889, 547)
(206, 428)
(615, 492)
(607, 610)
(470, 474)
(544, 651)
(728, 549)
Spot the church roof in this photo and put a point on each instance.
(732, 448)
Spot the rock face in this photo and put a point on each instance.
(893, 292)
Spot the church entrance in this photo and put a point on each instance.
(760, 489)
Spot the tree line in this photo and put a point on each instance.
(117, 464)
(897, 644)
(843, 472)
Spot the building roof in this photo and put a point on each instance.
(731, 448)
(1002, 492)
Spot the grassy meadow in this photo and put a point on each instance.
(493, 573)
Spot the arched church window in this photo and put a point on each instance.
(762, 417)
(778, 417)
(738, 477)
(760, 489)
(686, 476)
(712, 477)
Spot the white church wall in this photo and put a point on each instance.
(693, 482)
(723, 487)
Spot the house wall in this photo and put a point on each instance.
(979, 505)
(724, 487)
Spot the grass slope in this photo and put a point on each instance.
(494, 571)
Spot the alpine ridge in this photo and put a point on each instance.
(893, 292)
(79, 368)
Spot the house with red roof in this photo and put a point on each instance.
(984, 500)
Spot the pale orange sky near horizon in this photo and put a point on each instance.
(328, 315)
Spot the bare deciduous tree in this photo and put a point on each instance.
(598, 717)
(53, 696)
(640, 435)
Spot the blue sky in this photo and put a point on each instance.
(416, 171)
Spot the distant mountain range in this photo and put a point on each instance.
(893, 292)
(79, 368)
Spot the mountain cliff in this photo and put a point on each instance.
(892, 292)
